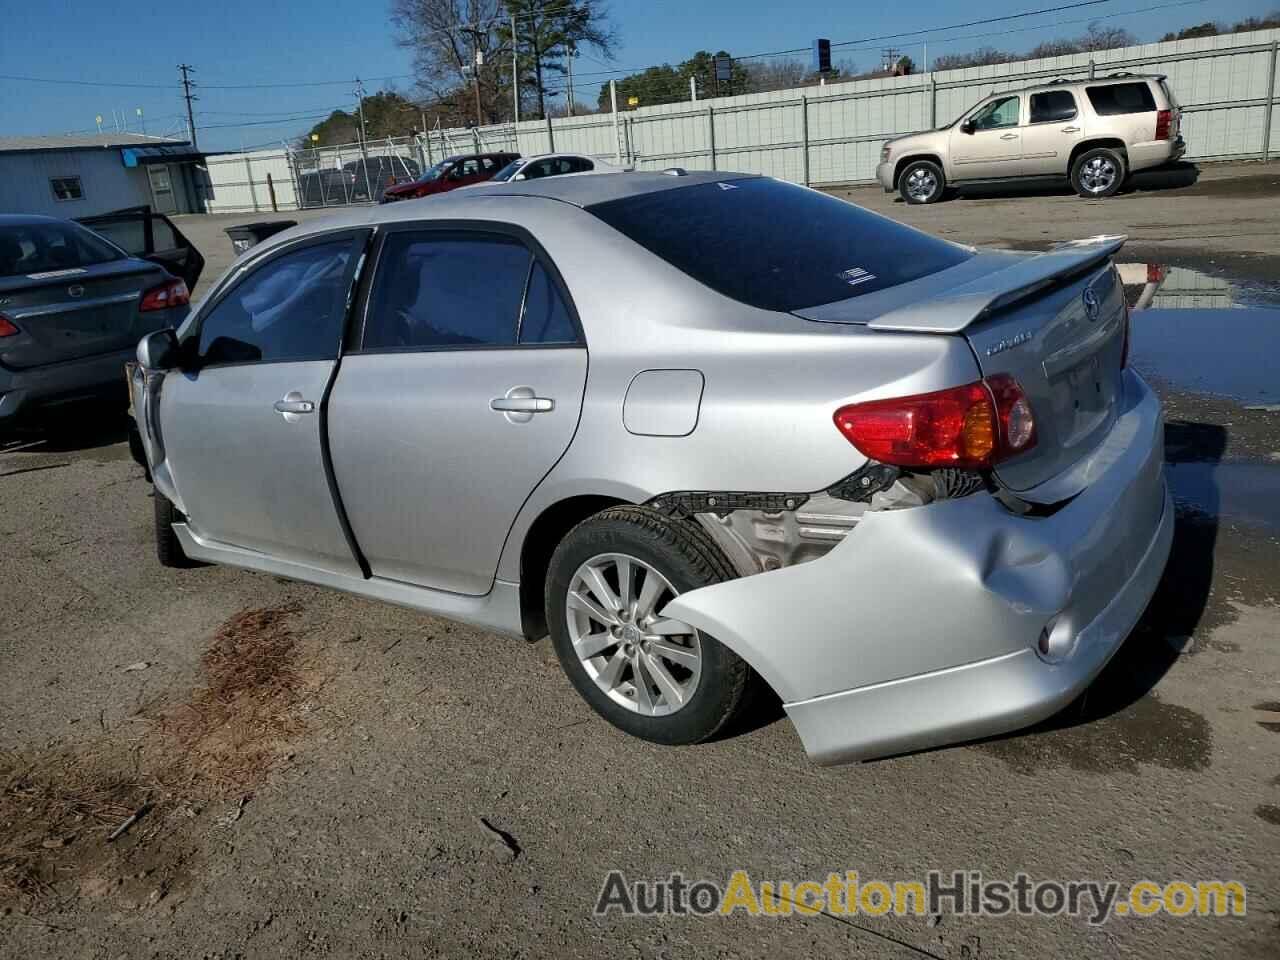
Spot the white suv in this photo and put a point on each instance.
(1092, 132)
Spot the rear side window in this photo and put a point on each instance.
(545, 318)
(439, 289)
(46, 246)
(1118, 98)
(1052, 106)
(775, 245)
(290, 308)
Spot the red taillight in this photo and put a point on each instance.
(973, 426)
(7, 329)
(173, 293)
(1164, 124)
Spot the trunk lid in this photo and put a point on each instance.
(75, 313)
(1054, 321)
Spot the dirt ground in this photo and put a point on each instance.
(323, 775)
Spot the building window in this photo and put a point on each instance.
(66, 188)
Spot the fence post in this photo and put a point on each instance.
(271, 191)
(1091, 68)
(253, 194)
(711, 134)
(804, 134)
(933, 102)
(551, 136)
(1271, 102)
(613, 103)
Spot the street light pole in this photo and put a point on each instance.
(475, 68)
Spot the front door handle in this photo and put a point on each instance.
(1008, 136)
(291, 405)
(1070, 129)
(520, 404)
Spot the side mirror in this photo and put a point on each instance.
(158, 350)
(967, 127)
(519, 176)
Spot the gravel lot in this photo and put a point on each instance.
(347, 778)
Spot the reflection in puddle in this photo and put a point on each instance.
(1245, 492)
(1205, 334)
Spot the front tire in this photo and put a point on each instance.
(650, 676)
(1098, 173)
(922, 181)
(168, 546)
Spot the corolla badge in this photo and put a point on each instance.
(1008, 343)
(1091, 305)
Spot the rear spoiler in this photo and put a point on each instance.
(954, 310)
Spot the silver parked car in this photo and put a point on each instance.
(708, 430)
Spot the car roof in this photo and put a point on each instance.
(481, 156)
(26, 219)
(586, 191)
(1108, 80)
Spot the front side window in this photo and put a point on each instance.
(289, 308)
(997, 114)
(775, 245)
(1117, 98)
(507, 172)
(66, 188)
(1052, 106)
(440, 290)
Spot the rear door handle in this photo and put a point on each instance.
(1008, 136)
(1070, 129)
(522, 404)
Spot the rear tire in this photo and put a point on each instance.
(636, 669)
(1098, 173)
(168, 546)
(922, 181)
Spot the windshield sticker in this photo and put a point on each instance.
(855, 275)
(50, 274)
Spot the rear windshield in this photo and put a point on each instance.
(775, 245)
(1120, 98)
(43, 247)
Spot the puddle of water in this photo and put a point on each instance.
(1203, 333)
(1245, 492)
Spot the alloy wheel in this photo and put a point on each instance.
(642, 661)
(921, 184)
(1098, 174)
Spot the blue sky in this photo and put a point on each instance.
(302, 41)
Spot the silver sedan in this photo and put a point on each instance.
(709, 431)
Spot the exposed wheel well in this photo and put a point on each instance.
(897, 170)
(1110, 142)
(539, 544)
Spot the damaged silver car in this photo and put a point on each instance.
(709, 431)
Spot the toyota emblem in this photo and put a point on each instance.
(1091, 305)
(75, 290)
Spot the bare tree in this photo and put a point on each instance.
(548, 31)
(445, 37)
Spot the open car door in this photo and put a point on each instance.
(151, 236)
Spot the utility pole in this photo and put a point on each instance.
(573, 52)
(364, 153)
(515, 73)
(476, 60)
(187, 84)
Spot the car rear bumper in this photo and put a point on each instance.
(22, 391)
(921, 627)
(1155, 153)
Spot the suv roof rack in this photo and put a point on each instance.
(1063, 80)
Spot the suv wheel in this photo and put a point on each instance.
(922, 182)
(1098, 173)
(653, 677)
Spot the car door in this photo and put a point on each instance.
(151, 236)
(464, 392)
(988, 143)
(1052, 131)
(242, 421)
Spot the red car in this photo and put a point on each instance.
(450, 174)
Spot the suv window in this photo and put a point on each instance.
(289, 308)
(1052, 106)
(439, 289)
(775, 245)
(997, 114)
(1117, 98)
(581, 164)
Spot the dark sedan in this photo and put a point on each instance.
(73, 304)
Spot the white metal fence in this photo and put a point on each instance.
(1227, 86)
